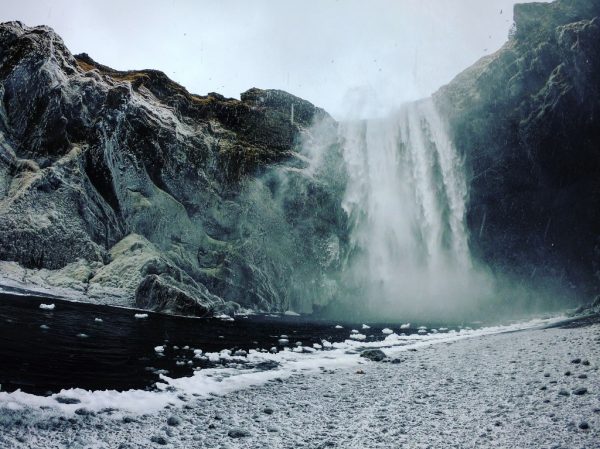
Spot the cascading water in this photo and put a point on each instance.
(406, 197)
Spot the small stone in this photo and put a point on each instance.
(586, 363)
(173, 421)
(580, 391)
(66, 400)
(563, 392)
(376, 355)
(584, 425)
(268, 411)
(582, 376)
(83, 412)
(159, 439)
(578, 360)
(567, 373)
(238, 433)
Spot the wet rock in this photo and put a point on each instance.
(173, 421)
(583, 425)
(66, 400)
(376, 355)
(580, 391)
(238, 433)
(84, 412)
(159, 439)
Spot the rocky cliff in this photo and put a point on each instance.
(527, 120)
(124, 188)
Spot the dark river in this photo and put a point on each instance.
(44, 351)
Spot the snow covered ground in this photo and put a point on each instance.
(483, 388)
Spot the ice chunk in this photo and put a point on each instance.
(405, 326)
(140, 316)
(47, 306)
(159, 349)
(291, 313)
(359, 337)
(339, 327)
(98, 320)
(387, 331)
(364, 326)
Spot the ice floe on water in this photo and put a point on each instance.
(387, 330)
(141, 316)
(47, 306)
(264, 366)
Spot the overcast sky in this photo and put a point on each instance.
(325, 51)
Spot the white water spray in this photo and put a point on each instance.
(406, 198)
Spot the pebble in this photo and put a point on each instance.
(584, 425)
(576, 361)
(173, 421)
(159, 439)
(376, 355)
(238, 433)
(580, 391)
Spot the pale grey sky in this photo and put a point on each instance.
(392, 50)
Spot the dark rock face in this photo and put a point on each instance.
(528, 122)
(148, 189)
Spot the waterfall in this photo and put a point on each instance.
(405, 197)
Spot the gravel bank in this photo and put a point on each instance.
(527, 389)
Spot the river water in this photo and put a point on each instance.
(43, 351)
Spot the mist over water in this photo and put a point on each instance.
(406, 198)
